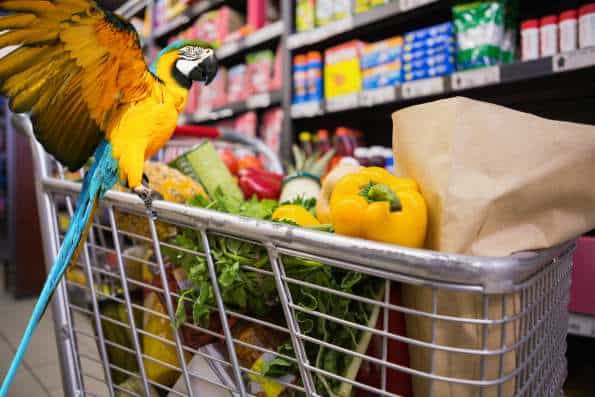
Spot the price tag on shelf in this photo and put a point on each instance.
(407, 5)
(342, 25)
(266, 33)
(307, 109)
(378, 96)
(475, 78)
(582, 58)
(258, 101)
(301, 39)
(228, 49)
(343, 102)
(414, 89)
(220, 114)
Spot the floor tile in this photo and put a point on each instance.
(42, 349)
(25, 385)
(49, 375)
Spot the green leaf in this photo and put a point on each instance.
(229, 275)
(350, 279)
(181, 309)
(277, 368)
(307, 203)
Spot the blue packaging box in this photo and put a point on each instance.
(448, 50)
(381, 52)
(442, 29)
(382, 76)
(419, 74)
(429, 62)
(429, 43)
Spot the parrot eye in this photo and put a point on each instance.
(191, 53)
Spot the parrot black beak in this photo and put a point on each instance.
(206, 70)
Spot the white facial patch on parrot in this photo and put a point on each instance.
(191, 57)
(186, 66)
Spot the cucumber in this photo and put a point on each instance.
(203, 163)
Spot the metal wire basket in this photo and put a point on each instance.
(341, 316)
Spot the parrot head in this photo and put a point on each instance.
(189, 61)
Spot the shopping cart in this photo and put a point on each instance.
(342, 316)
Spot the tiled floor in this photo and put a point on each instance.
(40, 373)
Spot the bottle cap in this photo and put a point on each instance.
(568, 15)
(342, 131)
(299, 59)
(305, 136)
(548, 20)
(322, 134)
(530, 24)
(586, 9)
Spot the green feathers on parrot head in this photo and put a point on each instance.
(195, 61)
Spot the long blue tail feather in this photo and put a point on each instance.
(100, 178)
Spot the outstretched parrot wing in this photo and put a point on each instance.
(76, 68)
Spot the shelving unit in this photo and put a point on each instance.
(550, 87)
(258, 101)
(548, 67)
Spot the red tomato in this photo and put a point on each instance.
(230, 160)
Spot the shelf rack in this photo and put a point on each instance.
(510, 85)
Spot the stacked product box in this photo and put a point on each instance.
(342, 71)
(381, 63)
(260, 71)
(429, 52)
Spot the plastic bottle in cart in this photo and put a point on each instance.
(530, 39)
(548, 35)
(300, 89)
(323, 142)
(314, 76)
(586, 17)
(568, 30)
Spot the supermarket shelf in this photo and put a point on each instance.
(131, 8)
(185, 18)
(458, 81)
(259, 101)
(581, 325)
(356, 22)
(268, 33)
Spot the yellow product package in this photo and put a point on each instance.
(342, 74)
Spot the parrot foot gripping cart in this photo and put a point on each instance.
(433, 325)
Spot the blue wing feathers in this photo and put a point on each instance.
(102, 175)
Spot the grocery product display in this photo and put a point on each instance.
(356, 198)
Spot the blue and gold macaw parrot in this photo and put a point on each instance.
(79, 72)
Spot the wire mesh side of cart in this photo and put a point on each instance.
(340, 316)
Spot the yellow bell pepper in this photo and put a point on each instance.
(379, 206)
(296, 214)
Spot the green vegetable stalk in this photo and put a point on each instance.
(255, 294)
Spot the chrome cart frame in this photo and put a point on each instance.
(512, 310)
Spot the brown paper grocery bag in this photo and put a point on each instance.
(497, 181)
